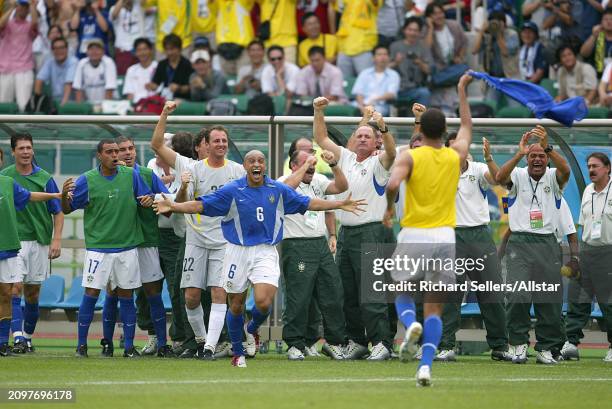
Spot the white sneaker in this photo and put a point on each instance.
(251, 343)
(446, 355)
(545, 357)
(608, 357)
(570, 351)
(335, 352)
(423, 376)
(311, 351)
(419, 353)
(150, 347)
(294, 354)
(223, 350)
(379, 353)
(354, 350)
(408, 348)
(239, 361)
(520, 354)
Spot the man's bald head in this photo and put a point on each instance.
(254, 153)
(537, 160)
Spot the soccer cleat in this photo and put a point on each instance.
(335, 352)
(150, 347)
(5, 350)
(294, 354)
(570, 351)
(354, 350)
(252, 342)
(379, 353)
(81, 351)
(30, 347)
(131, 353)
(419, 354)
(311, 351)
(208, 354)
(223, 350)
(408, 348)
(501, 355)
(239, 361)
(20, 347)
(188, 353)
(423, 376)
(520, 354)
(608, 357)
(165, 352)
(446, 355)
(107, 348)
(545, 357)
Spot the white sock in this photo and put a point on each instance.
(196, 320)
(215, 324)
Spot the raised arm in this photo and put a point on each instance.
(295, 178)
(388, 156)
(401, 172)
(503, 174)
(493, 168)
(348, 205)
(157, 142)
(339, 184)
(464, 136)
(181, 195)
(320, 129)
(166, 205)
(563, 169)
(417, 110)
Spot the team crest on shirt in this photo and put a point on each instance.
(363, 172)
(113, 194)
(187, 277)
(271, 198)
(90, 278)
(472, 178)
(301, 266)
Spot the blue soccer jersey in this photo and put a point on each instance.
(253, 215)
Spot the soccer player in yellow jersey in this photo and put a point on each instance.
(431, 174)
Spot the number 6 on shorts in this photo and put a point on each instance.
(232, 271)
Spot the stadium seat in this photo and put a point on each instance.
(342, 110)
(598, 113)
(279, 104)
(550, 86)
(348, 85)
(514, 112)
(240, 100)
(166, 297)
(191, 108)
(75, 108)
(75, 295)
(51, 292)
(8, 108)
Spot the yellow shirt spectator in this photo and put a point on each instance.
(173, 16)
(327, 41)
(357, 33)
(283, 25)
(236, 26)
(203, 16)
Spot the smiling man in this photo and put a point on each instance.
(253, 210)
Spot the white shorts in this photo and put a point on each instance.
(148, 261)
(202, 267)
(435, 244)
(10, 270)
(257, 264)
(34, 261)
(119, 269)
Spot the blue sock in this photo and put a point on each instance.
(30, 318)
(404, 305)
(235, 323)
(5, 330)
(86, 312)
(158, 316)
(109, 316)
(127, 310)
(257, 319)
(17, 321)
(432, 332)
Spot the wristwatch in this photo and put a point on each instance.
(548, 149)
(331, 165)
(384, 130)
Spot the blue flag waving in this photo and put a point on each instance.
(537, 99)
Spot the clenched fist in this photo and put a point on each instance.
(169, 107)
(328, 158)
(320, 103)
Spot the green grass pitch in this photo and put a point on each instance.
(271, 381)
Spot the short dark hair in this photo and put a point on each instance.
(21, 136)
(562, 48)
(105, 142)
(413, 19)
(433, 123)
(182, 143)
(122, 138)
(293, 146)
(205, 134)
(293, 158)
(172, 40)
(143, 40)
(431, 8)
(256, 42)
(306, 16)
(602, 157)
(378, 47)
(315, 49)
(275, 47)
(498, 15)
(450, 137)
(59, 40)
(52, 26)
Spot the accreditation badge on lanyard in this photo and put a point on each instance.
(311, 218)
(596, 228)
(536, 215)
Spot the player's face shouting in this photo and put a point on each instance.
(109, 156)
(127, 153)
(255, 166)
(24, 152)
(218, 143)
(537, 161)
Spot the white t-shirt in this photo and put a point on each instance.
(311, 223)
(268, 78)
(204, 231)
(163, 221)
(596, 207)
(128, 26)
(566, 222)
(531, 212)
(471, 199)
(136, 78)
(366, 180)
(446, 42)
(94, 81)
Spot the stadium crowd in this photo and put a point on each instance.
(386, 53)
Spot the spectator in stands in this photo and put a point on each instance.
(140, 74)
(249, 76)
(203, 43)
(390, 21)
(173, 17)
(576, 78)
(605, 87)
(320, 78)
(357, 36)
(278, 77)
(532, 62)
(283, 25)
(598, 47)
(128, 22)
(47, 30)
(413, 61)
(563, 20)
(234, 32)
(204, 20)
(58, 72)
(591, 16)
(205, 83)
(96, 75)
(314, 37)
(16, 59)
(377, 85)
(534, 11)
(324, 11)
(89, 22)
(172, 73)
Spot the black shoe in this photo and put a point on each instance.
(107, 348)
(500, 355)
(188, 353)
(204, 354)
(29, 346)
(165, 352)
(20, 347)
(81, 351)
(131, 353)
(5, 350)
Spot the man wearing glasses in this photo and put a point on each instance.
(278, 78)
(58, 72)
